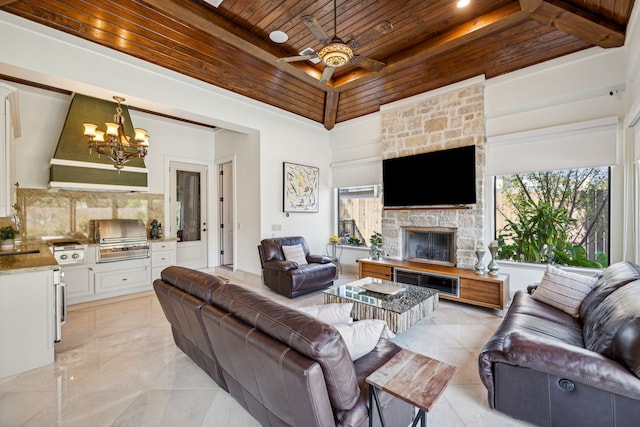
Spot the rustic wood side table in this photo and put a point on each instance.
(415, 378)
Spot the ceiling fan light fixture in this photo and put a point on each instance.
(335, 54)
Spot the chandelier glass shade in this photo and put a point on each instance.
(114, 143)
(335, 54)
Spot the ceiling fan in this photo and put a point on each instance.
(337, 53)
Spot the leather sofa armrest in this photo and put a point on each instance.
(318, 259)
(280, 265)
(571, 362)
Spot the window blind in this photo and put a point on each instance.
(577, 145)
(356, 173)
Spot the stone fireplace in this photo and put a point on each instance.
(429, 244)
(446, 118)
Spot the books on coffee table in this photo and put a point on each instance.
(382, 288)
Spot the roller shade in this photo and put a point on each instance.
(578, 145)
(357, 173)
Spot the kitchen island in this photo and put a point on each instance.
(28, 275)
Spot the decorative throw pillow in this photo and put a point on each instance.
(564, 290)
(334, 314)
(294, 253)
(362, 336)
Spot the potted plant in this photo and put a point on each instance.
(333, 242)
(7, 234)
(353, 241)
(375, 248)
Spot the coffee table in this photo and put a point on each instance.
(400, 310)
(413, 377)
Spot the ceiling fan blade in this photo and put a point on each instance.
(372, 33)
(315, 29)
(326, 74)
(296, 58)
(367, 64)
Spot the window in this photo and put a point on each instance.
(359, 213)
(557, 216)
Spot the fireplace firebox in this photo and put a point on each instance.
(436, 245)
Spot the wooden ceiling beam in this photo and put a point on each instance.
(331, 109)
(457, 37)
(564, 17)
(237, 37)
(6, 2)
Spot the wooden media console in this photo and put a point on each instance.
(456, 284)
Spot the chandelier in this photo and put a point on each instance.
(114, 143)
(335, 54)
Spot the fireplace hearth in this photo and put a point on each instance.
(435, 245)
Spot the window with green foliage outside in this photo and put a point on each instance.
(559, 217)
(359, 213)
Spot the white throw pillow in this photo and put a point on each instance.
(362, 336)
(564, 290)
(334, 314)
(294, 253)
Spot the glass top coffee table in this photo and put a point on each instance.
(401, 305)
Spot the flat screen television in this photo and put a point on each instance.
(437, 178)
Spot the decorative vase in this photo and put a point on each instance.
(479, 267)
(493, 265)
(374, 253)
(6, 244)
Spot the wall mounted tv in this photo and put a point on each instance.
(437, 178)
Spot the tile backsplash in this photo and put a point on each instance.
(66, 213)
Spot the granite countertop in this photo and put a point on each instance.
(26, 256)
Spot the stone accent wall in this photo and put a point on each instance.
(442, 121)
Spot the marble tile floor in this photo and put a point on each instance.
(117, 365)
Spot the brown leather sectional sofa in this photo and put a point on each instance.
(552, 369)
(283, 367)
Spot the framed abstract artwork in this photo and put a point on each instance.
(301, 188)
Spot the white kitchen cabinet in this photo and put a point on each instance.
(163, 255)
(27, 321)
(121, 277)
(79, 281)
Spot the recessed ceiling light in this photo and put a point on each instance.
(278, 36)
(463, 3)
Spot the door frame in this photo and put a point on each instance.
(212, 215)
(218, 163)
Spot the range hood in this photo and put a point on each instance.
(73, 167)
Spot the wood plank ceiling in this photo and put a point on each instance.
(432, 43)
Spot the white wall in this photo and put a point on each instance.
(42, 115)
(244, 149)
(49, 57)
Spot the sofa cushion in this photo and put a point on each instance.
(294, 253)
(193, 282)
(613, 329)
(362, 336)
(613, 277)
(314, 339)
(333, 314)
(564, 290)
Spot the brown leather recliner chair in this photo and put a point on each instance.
(290, 278)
